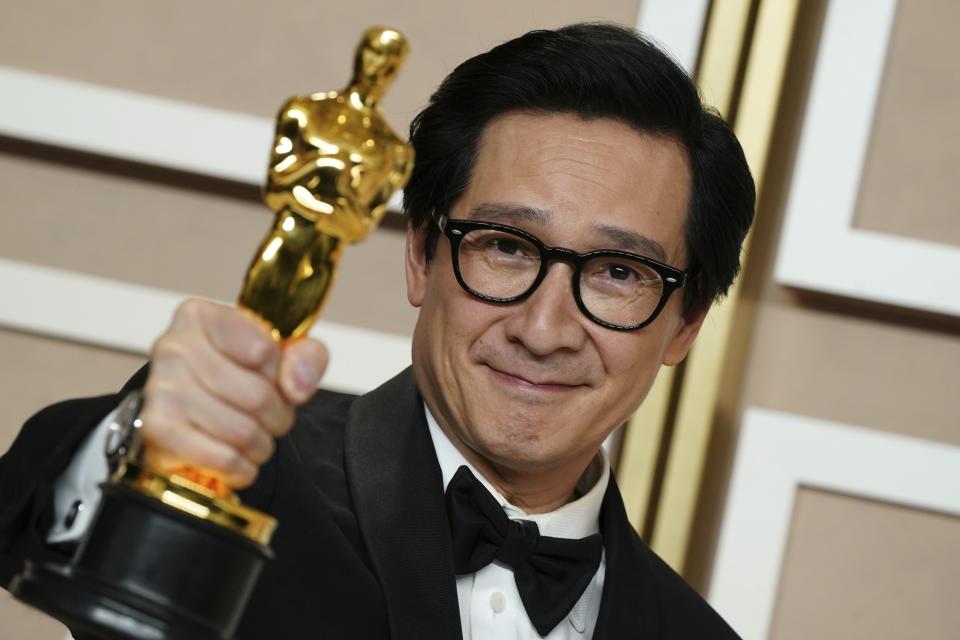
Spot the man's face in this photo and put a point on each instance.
(536, 385)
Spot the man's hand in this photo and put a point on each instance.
(220, 390)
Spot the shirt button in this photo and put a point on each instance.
(498, 602)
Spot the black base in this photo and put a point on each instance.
(147, 571)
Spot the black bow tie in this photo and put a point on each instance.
(551, 573)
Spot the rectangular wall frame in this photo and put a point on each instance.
(778, 453)
(820, 248)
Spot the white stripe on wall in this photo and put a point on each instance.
(137, 127)
(129, 317)
(676, 25)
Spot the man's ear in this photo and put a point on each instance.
(683, 338)
(415, 258)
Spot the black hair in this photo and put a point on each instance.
(591, 70)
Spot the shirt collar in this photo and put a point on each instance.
(576, 519)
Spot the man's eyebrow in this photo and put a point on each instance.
(632, 241)
(618, 237)
(507, 213)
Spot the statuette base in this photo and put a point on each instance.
(146, 571)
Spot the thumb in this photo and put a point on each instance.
(302, 364)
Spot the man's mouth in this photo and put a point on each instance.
(532, 382)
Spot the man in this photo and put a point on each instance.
(574, 211)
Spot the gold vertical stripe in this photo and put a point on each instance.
(722, 52)
(704, 367)
(641, 445)
(643, 436)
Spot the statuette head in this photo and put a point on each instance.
(380, 53)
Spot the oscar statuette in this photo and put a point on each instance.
(177, 556)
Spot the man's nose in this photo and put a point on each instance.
(549, 320)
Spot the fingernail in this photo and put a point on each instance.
(305, 376)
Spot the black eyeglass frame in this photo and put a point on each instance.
(455, 230)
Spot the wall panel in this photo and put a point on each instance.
(857, 568)
(908, 185)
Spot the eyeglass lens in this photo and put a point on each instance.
(614, 289)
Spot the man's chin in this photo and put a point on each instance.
(517, 453)
(508, 430)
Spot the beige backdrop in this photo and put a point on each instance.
(853, 568)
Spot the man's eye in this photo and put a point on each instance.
(620, 275)
(617, 271)
(500, 246)
(620, 272)
(506, 245)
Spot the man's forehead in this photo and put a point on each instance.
(606, 183)
(603, 151)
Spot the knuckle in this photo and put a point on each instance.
(168, 347)
(232, 462)
(262, 451)
(262, 349)
(246, 478)
(162, 346)
(247, 437)
(191, 310)
(259, 398)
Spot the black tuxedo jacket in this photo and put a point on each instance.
(363, 549)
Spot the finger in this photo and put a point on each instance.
(247, 391)
(172, 445)
(302, 364)
(167, 463)
(182, 362)
(227, 424)
(239, 335)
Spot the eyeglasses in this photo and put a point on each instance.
(615, 289)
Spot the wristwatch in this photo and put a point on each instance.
(123, 442)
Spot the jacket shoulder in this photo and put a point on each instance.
(326, 408)
(321, 422)
(682, 611)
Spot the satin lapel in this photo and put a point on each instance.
(397, 491)
(628, 607)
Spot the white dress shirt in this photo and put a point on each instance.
(490, 605)
(76, 493)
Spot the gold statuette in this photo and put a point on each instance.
(335, 163)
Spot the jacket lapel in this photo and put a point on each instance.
(628, 605)
(397, 491)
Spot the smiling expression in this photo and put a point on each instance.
(535, 386)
